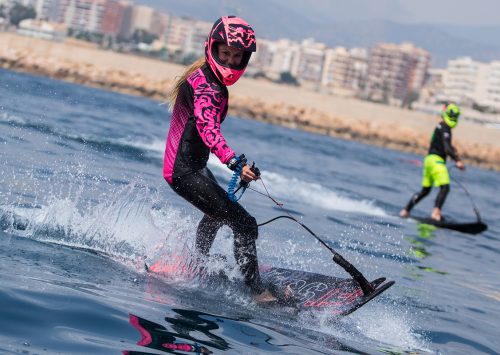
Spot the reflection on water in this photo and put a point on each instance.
(420, 242)
(426, 231)
(190, 330)
(419, 245)
(201, 333)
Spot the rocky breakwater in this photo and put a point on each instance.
(316, 121)
(402, 138)
(88, 74)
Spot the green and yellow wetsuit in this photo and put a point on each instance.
(435, 172)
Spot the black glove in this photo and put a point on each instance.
(255, 170)
(236, 162)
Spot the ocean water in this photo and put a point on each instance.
(83, 206)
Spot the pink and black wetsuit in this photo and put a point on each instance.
(199, 110)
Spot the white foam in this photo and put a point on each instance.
(389, 326)
(126, 224)
(5, 117)
(308, 193)
(314, 194)
(156, 146)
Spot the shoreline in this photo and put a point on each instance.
(292, 107)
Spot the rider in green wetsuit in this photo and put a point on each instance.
(435, 171)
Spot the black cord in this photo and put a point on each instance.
(476, 211)
(366, 287)
(272, 220)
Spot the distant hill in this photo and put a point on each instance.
(443, 42)
(324, 22)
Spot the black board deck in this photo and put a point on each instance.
(302, 290)
(469, 227)
(312, 291)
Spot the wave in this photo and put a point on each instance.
(126, 224)
(318, 195)
(151, 151)
(144, 151)
(303, 192)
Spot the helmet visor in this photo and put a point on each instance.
(453, 115)
(243, 63)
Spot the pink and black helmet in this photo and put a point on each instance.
(234, 32)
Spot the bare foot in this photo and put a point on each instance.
(404, 213)
(436, 214)
(265, 298)
(289, 294)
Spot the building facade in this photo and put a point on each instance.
(492, 98)
(396, 73)
(274, 58)
(113, 17)
(344, 71)
(464, 80)
(309, 65)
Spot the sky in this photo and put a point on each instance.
(448, 12)
(451, 12)
(462, 12)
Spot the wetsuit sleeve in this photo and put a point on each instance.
(448, 148)
(209, 104)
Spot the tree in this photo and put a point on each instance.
(2, 11)
(288, 78)
(260, 75)
(94, 37)
(20, 12)
(189, 58)
(410, 98)
(142, 36)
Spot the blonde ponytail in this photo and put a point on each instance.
(172, 95)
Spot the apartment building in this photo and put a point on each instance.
(113, 17)
(85, 15)
(176, 33)
(492, 98)
(465, 81)
(186, 36)
(195, 41)
(77, 14)
(309, 65)
(139, 18)
(159, 24)
(396, 72)
(432, 92)
(344, 70)
(275, 57)
(469, 82)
